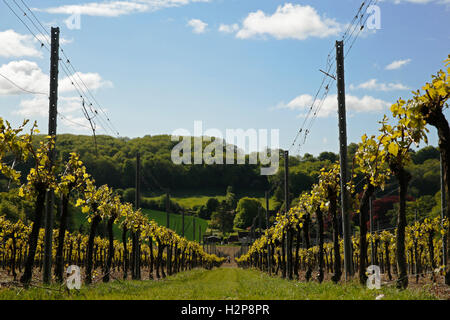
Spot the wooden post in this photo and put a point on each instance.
(137, 253)
(182, 223)
(53, 114)
(443, 211)
(286, 207)
(193, 229)
(343, 157)
(167, 211)
(267, 226)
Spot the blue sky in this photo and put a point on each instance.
(159, 65)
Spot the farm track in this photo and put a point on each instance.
(219, 284)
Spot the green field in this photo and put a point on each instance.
(191, 200)
(220, 284)
(176, 224)
(160, 218)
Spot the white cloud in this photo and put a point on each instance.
(225, 28)
(329, 105)
(117, 8)
(92, 80)
(289, 21)
(373, 84)
(104, 9)
(68, 108)
(26, 74)
(198, 26)
(36, 106)
(29, 76)
(397, 64)
(14, 44)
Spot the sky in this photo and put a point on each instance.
(154, 66)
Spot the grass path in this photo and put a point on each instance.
(219, 284)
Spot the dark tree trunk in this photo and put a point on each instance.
(431, 253)
(150, 243)
(283, 257)
(13, 259)
(307, 244)
(90, 248)
(388, 259)
(363, 215)
(444, 147)
(34, 236)
(403, 178)
(133, 256)
(319, 216)
(125, 252)
(138, 255)
(337, 254)
(106, 277)
(437, 119)
(59, 268)
(297, 249)
(289, 254)
(169, 259)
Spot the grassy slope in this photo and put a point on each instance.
(159, 216)
(175, 221)
(220, 284)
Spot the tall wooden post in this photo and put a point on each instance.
(53, 113)
(343, 157)
(167, 211)
(137, 254)
(371, 230)
(269, 266)
(137, 202)
(182, 223)
(443, 211)
(193, 229)
(286, 207)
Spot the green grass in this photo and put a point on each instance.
(191, 202)
(175, 221)
(220, 284)
(191, 198)
(176, 224)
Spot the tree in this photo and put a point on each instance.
(39, 180)
(73, 178)
(129, 195)
(211, 205)
(431, 106)
(113, 210)
(230, 199)
(330, 156)
(95, 203)
(329, 182)
(426, 153)
(396, 143)
(222, 220)
(308, 157)
(202, 212)
(370, 158)
(246, 211)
